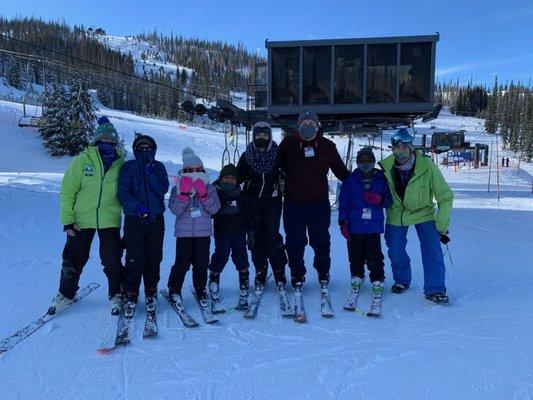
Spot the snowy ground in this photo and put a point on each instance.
(479, 348)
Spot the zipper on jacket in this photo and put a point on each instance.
(145, 189)
(262, 185)
(101, 188)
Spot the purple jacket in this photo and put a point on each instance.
(352, 203)
(185, 225)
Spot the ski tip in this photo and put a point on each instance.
(105, 352)
(328, 316)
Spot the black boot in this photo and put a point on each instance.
(260, 277)
(398, 288)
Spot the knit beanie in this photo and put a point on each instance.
(365, 151)
(308, 115)
(229, 169)
(189, 158)
(105, 130)
(146, 140)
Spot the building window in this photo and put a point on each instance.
(285, 75)
(381, 73)
(349, 65)
(415, 65)
(317, 75)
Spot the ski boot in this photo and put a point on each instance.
(326, 310)
(398, 288)
(243, 291)
(375, 308)
(356, 284)
(116, 304)
(59, 303)
(299, 310)
(175, 298)
(214, 288)
(439, 298)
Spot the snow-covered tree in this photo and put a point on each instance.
(82, 117)
(55, 126)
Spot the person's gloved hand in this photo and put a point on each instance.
(71, 229)
(250, 242)
(372, 198)
(144, 214)
(444, 238)
(201, 189)
(345, 231)
(150, 168)
(186, 185)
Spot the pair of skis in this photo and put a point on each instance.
(119, 326)
(351, 305)
(184, 316)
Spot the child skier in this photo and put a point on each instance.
(193, 200)
(142, 186)
(362, 198)
(231, 223)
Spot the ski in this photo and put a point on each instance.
(351, 303)
(207, 315)
(124, 333)
(299, 310)
(253, 307)
(216, 306)
(108, 341)
(375, 308)
(243, 303)
(23, 333)
(284, 304)
(185, 318)
(150, 325)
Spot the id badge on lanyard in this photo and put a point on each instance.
(309, 151)
(195, 213)
(367, 213)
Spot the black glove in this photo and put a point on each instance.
(445, 239)
(251, 240)
(67, 227)
(147, 219)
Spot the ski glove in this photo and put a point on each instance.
(71, 229)
(144, 214)
(186, 185)
(445, 239)
(372, 198)
(250, 242)
(149, 169)
(345, 231)
(201, 189)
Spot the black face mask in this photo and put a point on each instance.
(261, 143)
(308, 132)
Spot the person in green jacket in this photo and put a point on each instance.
(89, 204)
(415, 182)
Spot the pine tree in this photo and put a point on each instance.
(527, 129)
(491, 113)
(82, 117)
(514, 131)
(13, 73)
(55, 120)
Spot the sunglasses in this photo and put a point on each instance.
(190, 170)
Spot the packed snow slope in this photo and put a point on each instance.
(480, 347)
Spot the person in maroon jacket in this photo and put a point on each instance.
(306, 159)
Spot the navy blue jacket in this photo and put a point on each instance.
(136, 187)
(351, 203)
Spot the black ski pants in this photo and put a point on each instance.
(144, 253)
(300, 220)
(224, 245)
(76, 254)
(189, 251)
(268, 243)
(366, 249)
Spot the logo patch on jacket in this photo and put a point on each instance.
(88, 170)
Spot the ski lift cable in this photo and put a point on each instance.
(102, 66)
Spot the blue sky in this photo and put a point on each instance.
(479, 39)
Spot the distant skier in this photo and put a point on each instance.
(89, 204)
(306, 159)
(362, 198)
(259, 171)
(507, 162)
(231, 223)
(142, 186)
(193, 201)
(503, 162)
(414, 181)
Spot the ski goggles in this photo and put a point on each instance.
(190, 170)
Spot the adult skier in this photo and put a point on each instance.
(415, 181)
(142, 186)
(306, 159)
(89, 205)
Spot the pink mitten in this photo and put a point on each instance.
(201, 189)
(372, 198)
(186, 185)
(345, 231)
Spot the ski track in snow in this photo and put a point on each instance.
(478, 348)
